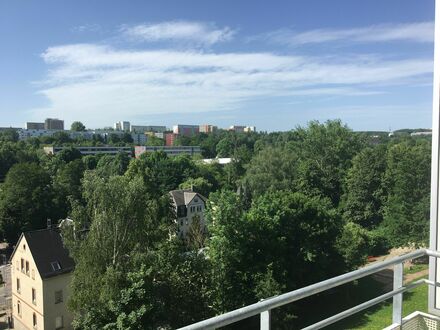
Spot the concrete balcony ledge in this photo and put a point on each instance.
(417, 321)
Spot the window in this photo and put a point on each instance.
(34, 296)
(24, 247)
(22, 265)
(18, 285)
(34, 320)
(55, 265)
(58, 322)
(58, 296)
(27, 268)
(19, 308)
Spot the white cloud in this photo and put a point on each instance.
(181, 31)
(422, 32)
(100, 84)
(86, 28)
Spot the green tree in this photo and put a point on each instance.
(113, 165)
(69, 154)
(325, 152)
(25, 200)
(284, 242)
(9, 135)
(365, 193)
(272, 169)
(162, 173)
(67, 186)
(200, 185)
(407, 178)
(77, 126)
(129, 272)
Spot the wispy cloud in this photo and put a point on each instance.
(421, 32)
(86, 28)
(91, 81)
(180, 31)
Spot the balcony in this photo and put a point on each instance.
(414, 321)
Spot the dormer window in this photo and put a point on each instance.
(55, 266)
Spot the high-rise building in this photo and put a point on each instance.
(54, 124)
(207, 128)
(33, 125)
(186, 130)
(122, 126)
(170, 138)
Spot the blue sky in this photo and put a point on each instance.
(273, 64)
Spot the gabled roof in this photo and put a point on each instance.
(49, 253)
(185, 196)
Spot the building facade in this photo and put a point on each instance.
(207, 129)
(33, 125)
(189, 207)
(122, 126)
(107, 150)
(40, 274)
(170, 151)
(144, 129)
(54, 124)
(170, 138)
(186, 130)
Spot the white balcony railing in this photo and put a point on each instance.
(264, 307)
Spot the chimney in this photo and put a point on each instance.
(49, 224)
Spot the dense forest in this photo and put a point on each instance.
(292, 208)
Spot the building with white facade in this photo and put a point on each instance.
(189, 207)
(122, 126)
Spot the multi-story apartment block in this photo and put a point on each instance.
(122, 126)
(33, 125)
(248, 129)
(170, 151)
(170, 138)
(188, 205)
(24, 134)
(107, 150)
(144, 129)
(186, 130)
(40, 273)
(242, 129)
(53, 124)
(139, 138)
(207, 128)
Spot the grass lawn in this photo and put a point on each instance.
(380, 316)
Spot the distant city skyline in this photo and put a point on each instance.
(274, 65)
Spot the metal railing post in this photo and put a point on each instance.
(265, 320)
(397, 299)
